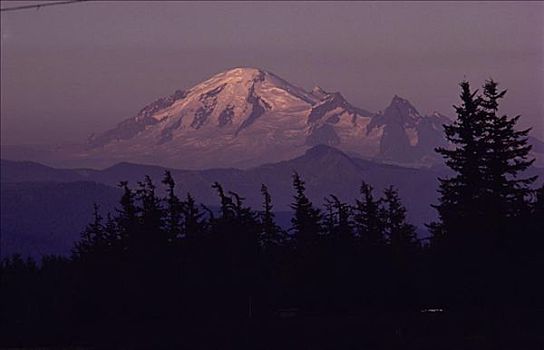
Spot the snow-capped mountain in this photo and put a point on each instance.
(407, 136)
(245, 117)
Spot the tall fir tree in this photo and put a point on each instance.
(194, 224)
(368, 220)
(483, 206)
(339, 219)
(151, 216)
(271, 235)
(127, 221)
(401, 235)
(307, 219)
(506, 158)
(174, 210)
(227, 206)
(403, 247)
(461, 202)
(91, 239)
(488, 158)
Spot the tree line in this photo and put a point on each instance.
(161, 259)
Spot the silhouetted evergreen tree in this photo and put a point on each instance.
(307, 219)
(308, 259)
(403, 252)
(232, 247)
(368, 220)
(174, 210)
(460, 237)
(127, 216)
(151, 215)
(92, 237)
(338, 219)
(194, 223)
(227, 206)
(338, 254)
(401, 235)
(462, 195)
(506, 159)
(373, 262)
(273, 263)
(271, 234)
(488, 159)
(484, 205)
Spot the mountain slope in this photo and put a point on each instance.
(408, 136)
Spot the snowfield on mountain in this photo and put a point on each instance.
(245, 117)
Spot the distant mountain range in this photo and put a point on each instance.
(246, 117)
(44, 209)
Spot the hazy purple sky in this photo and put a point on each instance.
(71, 70)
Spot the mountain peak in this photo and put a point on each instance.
(238, 75)
(322, 151)
(403, 109)
(318, 92)
(327, 159)
(246, 69)
(437, 115)
(247, 72)
(397, 100)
